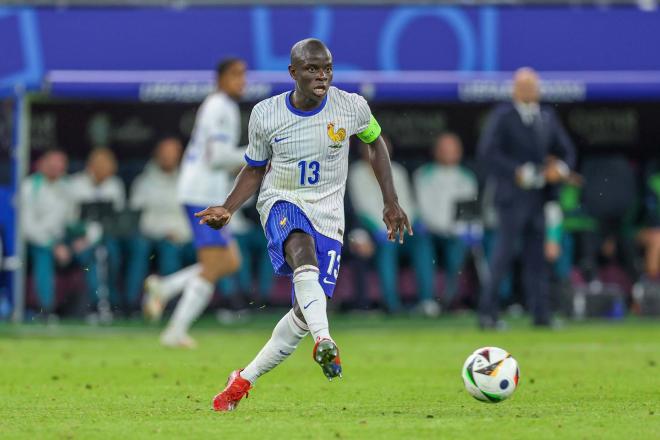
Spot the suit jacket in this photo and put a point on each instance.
(507, 143)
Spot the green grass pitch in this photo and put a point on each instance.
(402, 380)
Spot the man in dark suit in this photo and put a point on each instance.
(526, 152)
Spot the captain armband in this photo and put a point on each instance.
(370, 133)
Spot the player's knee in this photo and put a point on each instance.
(300, 250)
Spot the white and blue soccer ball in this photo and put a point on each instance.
(490, 374)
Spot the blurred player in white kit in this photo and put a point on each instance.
(209, 160)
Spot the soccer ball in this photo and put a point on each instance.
(490, 374)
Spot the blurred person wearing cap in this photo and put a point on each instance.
(439, 186)
(526, 151)
(368, 204)
(164, 230)
(98, 182)
(46, 212)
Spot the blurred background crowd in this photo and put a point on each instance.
(601, 230)
(520, 202)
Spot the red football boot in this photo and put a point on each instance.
(326, 354)
(236, 388)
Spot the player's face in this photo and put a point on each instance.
(313, 74)
(233, 80)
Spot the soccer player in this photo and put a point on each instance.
(210, 156)
(298, 156)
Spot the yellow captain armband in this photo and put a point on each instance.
(370, 133)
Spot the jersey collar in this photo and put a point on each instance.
(302, 113)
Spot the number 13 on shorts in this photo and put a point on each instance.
(329, 263)
(328, 255)
(333, 264)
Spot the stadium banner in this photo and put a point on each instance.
(597, 53)
(399, 86)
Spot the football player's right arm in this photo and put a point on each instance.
(247, 182)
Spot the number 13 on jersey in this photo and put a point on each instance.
(309, 172)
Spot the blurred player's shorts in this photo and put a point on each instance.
(283, 219)
(205, 236)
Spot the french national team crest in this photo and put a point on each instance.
(337, 137)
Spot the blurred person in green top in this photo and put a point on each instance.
(46, 212)
(368, 204)
(649, 236)
(439, 186)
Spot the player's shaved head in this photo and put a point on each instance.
(526, 85)
(311, 69)
(304, 48)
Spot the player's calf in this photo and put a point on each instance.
(311, 300)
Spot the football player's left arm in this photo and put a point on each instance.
(223, 155)
(394, 216)
(220, 151)
(249, 179)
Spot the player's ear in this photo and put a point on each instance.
(292, 71)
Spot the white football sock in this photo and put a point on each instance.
(196, 296)
(286, 336)
(173, 284)
(312, 300)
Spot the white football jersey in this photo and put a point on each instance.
(212, 153)
(308, 154)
